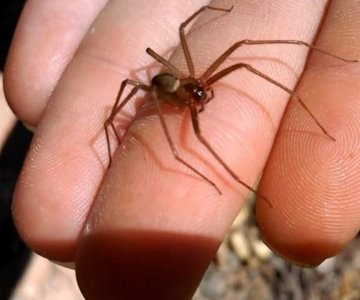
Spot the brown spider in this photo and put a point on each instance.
(194, 93)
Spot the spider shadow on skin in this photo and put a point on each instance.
(155, 155)
(188, 144)
(292, 114)
(122, 123)
(182, 137)
(150, 70)
(149, 111)
(124, 119)
(185, 130)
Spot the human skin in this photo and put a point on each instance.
(148, 221)
(6, 116)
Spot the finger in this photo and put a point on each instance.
(150, 208)
(312, 181)
(68, 155)
(46, 38)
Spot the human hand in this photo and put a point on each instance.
(152, 227)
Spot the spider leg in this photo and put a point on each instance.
(118, 106)
(183, 41)
(164, 62)
(196, 127)
(213, 67)
(173, 148)
(291, 92)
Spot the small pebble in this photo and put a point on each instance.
(240, 245)
(326, 266)
(214, 285)
(222, 255)
(262, 251)
(241, 218)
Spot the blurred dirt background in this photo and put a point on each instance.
(244, 267)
